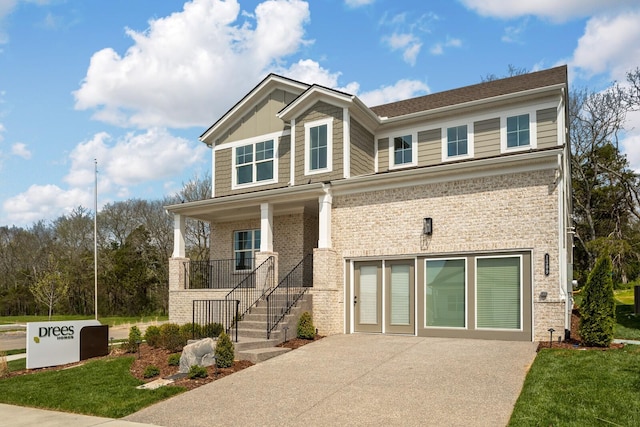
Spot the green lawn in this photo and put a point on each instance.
(102, 387)
(627, 323)
(581, 388)
(111, 320)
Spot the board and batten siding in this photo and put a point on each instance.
(319, 111)
(429, 147)
(362, 150)
(261, 119)
(486, 138)
(546, 121)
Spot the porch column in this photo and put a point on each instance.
(324, 231)
(266, 227)
(178, 236)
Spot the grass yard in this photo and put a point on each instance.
(103, 387)
(111, 320)
(627, 323)
(581, 388)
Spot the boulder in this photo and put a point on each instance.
(198, 353)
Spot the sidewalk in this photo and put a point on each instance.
(18, 416)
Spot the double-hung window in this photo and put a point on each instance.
(245, 244)
(457, 141)
(402, 150)
(518, 131)
(318, 146)
(254, 162)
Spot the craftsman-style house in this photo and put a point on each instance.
(445, 215)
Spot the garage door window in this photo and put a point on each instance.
(498, 293)
(445, 293)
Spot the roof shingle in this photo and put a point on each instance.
(538, 79)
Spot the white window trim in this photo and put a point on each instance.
(475, 297)
(414, 150)
(533, 130)
(254, 250)
(307, 146)
(445, 141)
(254, 141)
(466, 292)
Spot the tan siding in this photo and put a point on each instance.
(429, 147)
(486, 138)
(223, 173)
(259, 120)
(362, 150)
(547, 128)
(383, 154)
(319, 111)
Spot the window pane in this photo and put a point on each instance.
(457, 141)
(400, 287)
(498, 293)
(318, 147)
(512, 139)
(264, 150)
(368, 299)
(244, 154)
(245, 174)
(512, 124)
(264, 170)
(402, 149)
(523, 122)
(445, 293)
(242, 240)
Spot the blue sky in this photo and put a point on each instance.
(134, 83)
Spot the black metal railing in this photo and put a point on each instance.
(212, 312)
(288, 292)
(253, 287)
(216, 273)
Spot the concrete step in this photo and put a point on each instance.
(261, 354)
(246, 343)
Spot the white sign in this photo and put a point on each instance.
(54, 343)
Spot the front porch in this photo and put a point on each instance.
(262, 253)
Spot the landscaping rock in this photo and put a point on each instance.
(198, 353)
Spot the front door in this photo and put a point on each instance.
(367, 298)
(399, 297)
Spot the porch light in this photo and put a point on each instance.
(427, 226)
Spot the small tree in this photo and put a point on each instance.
(135, 338)
(305, 328)
(598, 306)
(224, 351)
(50, 288)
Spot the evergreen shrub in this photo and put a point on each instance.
(135, 338)
(152, 336)
(174, 359)
(305, 329)
(170, 337)
(224, 351)
(598, 308)
(197, 371)
(151, 371)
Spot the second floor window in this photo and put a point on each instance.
(402, 150)
(318, 147)
(254, 162)
(518, 131)
(457, 141)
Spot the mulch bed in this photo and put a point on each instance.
(575, 342)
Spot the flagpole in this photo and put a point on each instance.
(95, 239)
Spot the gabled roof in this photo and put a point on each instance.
(262, 89)
(540, 79)
(317, 93)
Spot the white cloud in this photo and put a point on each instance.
(358, 3)
(409, 44)
(19, 149)
(630, 143)
(44, 201)
(554, 10)
(438, 48)
(133, 159)
(402, 89)
(513, 33)
(610, 44)
(187, 68)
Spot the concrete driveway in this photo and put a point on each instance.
(362, 379)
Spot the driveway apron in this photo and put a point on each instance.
(362, 379)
